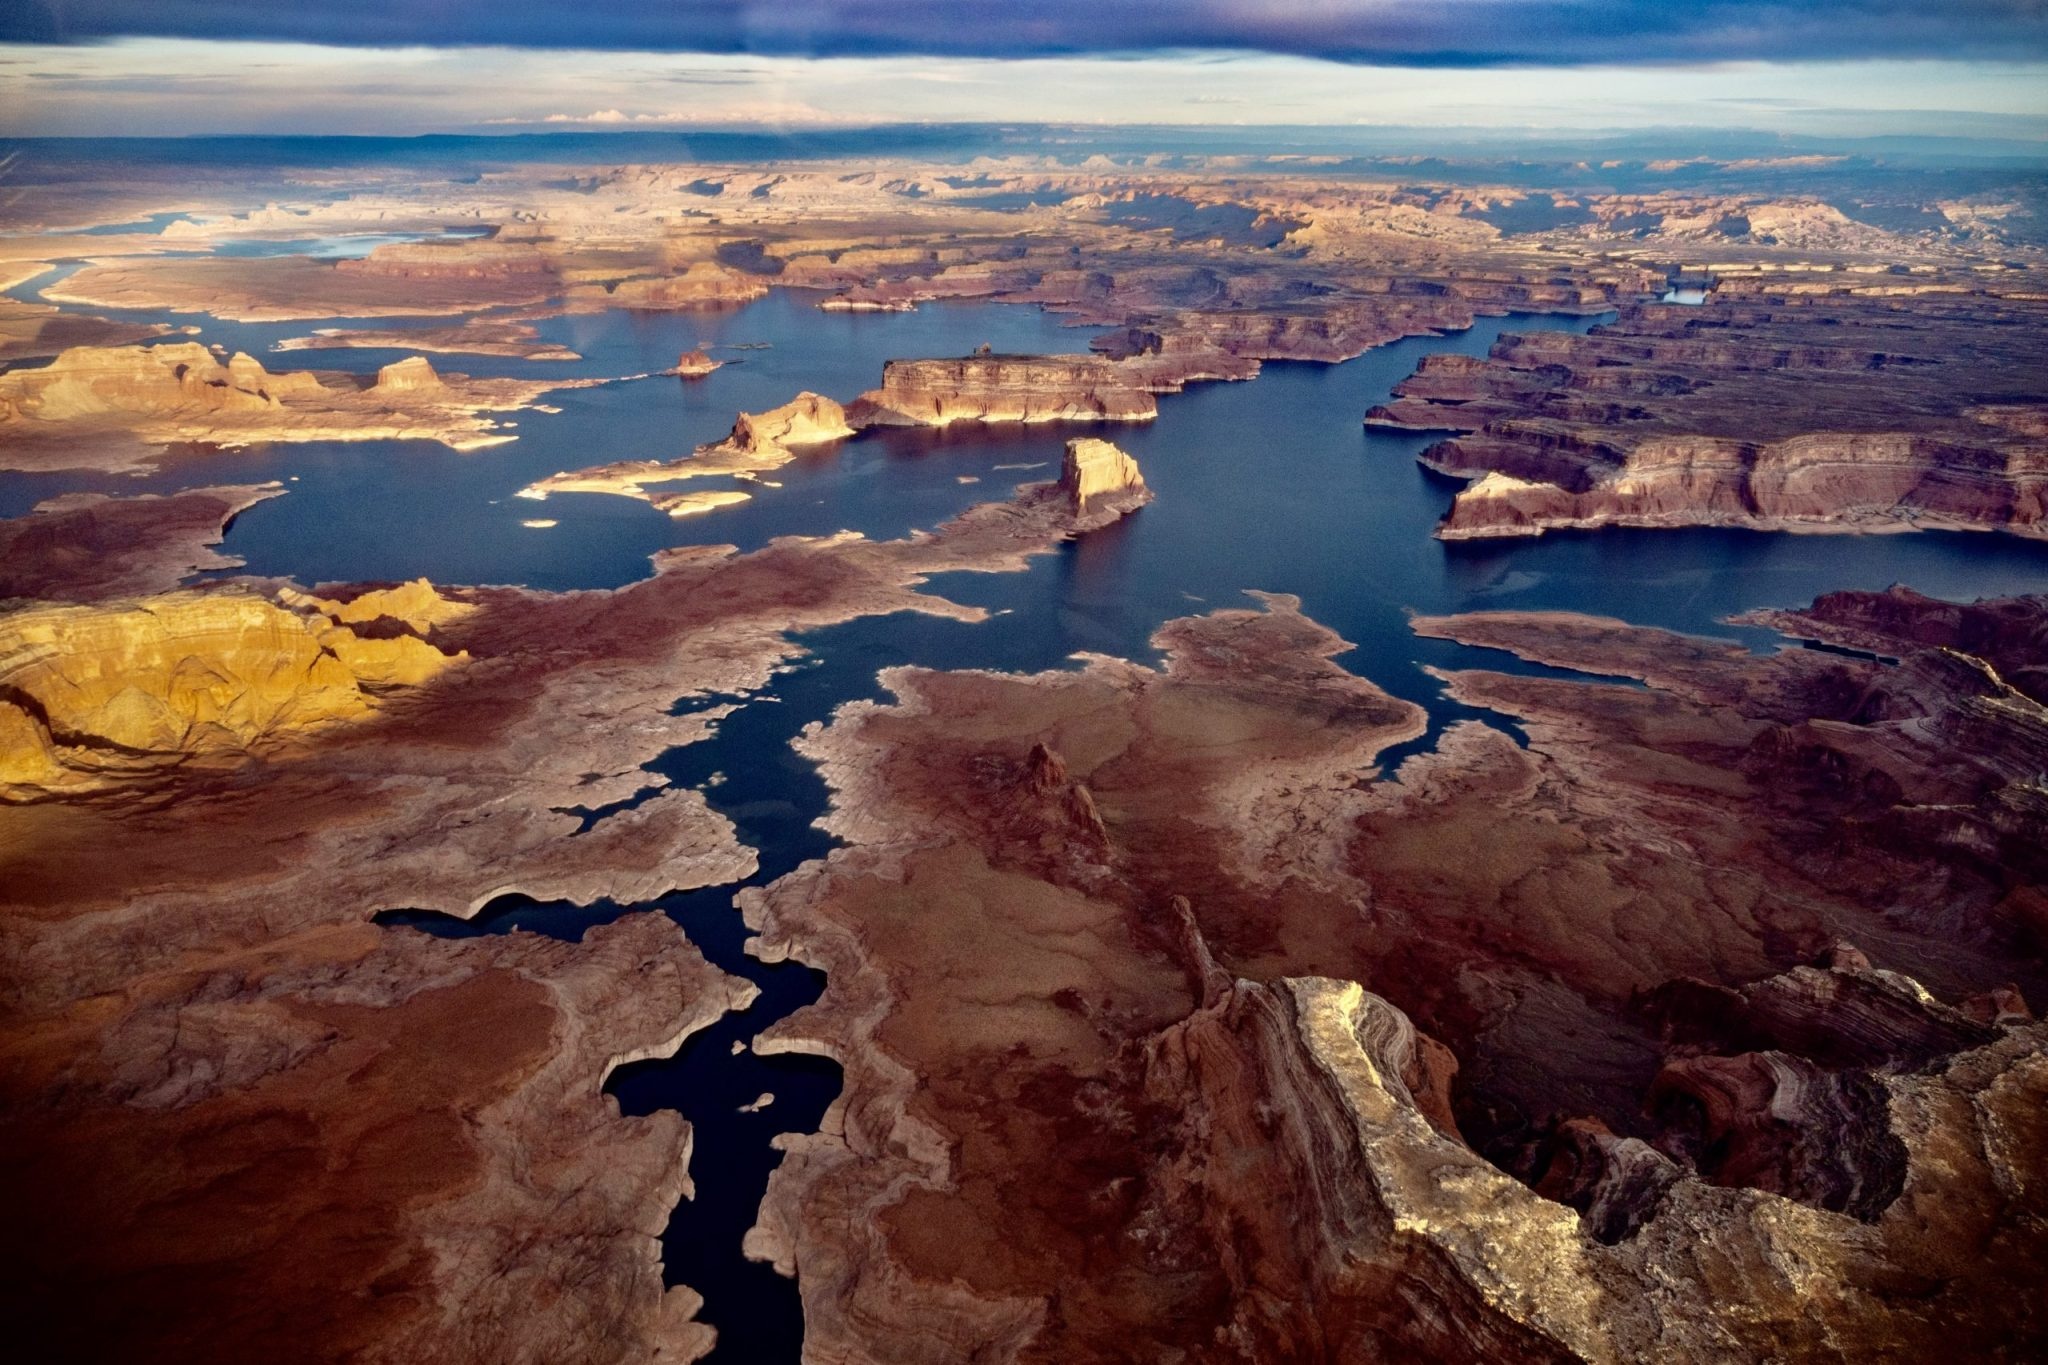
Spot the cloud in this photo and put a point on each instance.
(1387, 32)
(781, 113)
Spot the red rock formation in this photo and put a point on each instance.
(87, 546)
(1163, 1082)
(1071, 388)
(1802, 413)
(246, 1123)
(1096, 472)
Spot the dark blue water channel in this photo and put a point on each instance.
(1272, 484)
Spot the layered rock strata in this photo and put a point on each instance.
(1776, 412)
(88, 546)
(1093, 473)
(111, 407)
(363, 1142)
(757, 442)
(1006, 388)
(1184, 874)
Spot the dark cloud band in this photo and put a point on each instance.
(1403, 32)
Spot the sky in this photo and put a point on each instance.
(1810, 67)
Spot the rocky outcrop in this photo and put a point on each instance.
(1004, 388)
(2011, 634)
(805, 420)
(705, 284)
(696, 363)
(1232, 966)
(758, 441)
(85, 547)
(1094, 473)
(109, 407)
(414, 374)
(94, 695)
(1776, 412)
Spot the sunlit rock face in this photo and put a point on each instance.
(1005, 388)
(95, 693)
(1094, 470)
(1831, 413)
(807, 419)
(99, 381)
(414, 374)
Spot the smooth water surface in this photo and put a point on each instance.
(1273, 484)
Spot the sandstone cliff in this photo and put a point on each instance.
(1231, 968)
(1076, 388)
(1093, 472)
(1826, 413)
(97, 694)
(106, 407)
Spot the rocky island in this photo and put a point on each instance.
(112, 407)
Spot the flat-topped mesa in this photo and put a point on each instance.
(1830, 413)
(414, 374)
(706, 284)
(1005, 388)
(1095, 475)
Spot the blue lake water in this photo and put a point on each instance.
(1273, 484)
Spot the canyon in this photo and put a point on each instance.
(1522, 982)
(1829, 412)
(1182, 1050)
(278, 770)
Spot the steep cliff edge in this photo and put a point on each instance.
(91, 696)
(1095, 474)
(1556, 1039)
(111, 407)
(1807, 412)
(1005, 388)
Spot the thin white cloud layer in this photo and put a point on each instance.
(146, 86)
